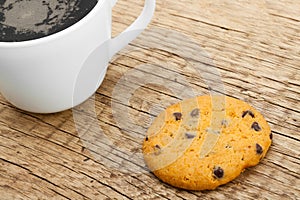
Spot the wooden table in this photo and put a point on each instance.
(249, 50)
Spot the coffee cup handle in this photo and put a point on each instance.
(124, 38)
(113, 3)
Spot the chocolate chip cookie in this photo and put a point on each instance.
(204, 142)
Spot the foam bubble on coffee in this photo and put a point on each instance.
(22, 20)
(41, 17)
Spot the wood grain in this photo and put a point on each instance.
(253, 48)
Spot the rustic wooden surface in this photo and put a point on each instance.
(255, 48)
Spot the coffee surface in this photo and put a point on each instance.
(22, 20)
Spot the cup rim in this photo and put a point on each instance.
(58, 34)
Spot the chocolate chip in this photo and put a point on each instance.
(190, 135)
(224, 123)
(256, 126)
(157, 149)
(146, 138)
(218, 172)
(195, 112)
(178, 116)
(248, 112)
(259, 149)
(271, 136)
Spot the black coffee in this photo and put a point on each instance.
(22, 20)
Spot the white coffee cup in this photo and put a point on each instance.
(60, 71)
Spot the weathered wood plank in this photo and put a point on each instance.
(254, 46)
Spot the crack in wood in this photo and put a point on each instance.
(285, 17)
(35, 175)
(107, 185)
(208, 23)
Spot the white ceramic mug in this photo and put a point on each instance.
(60, 71)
